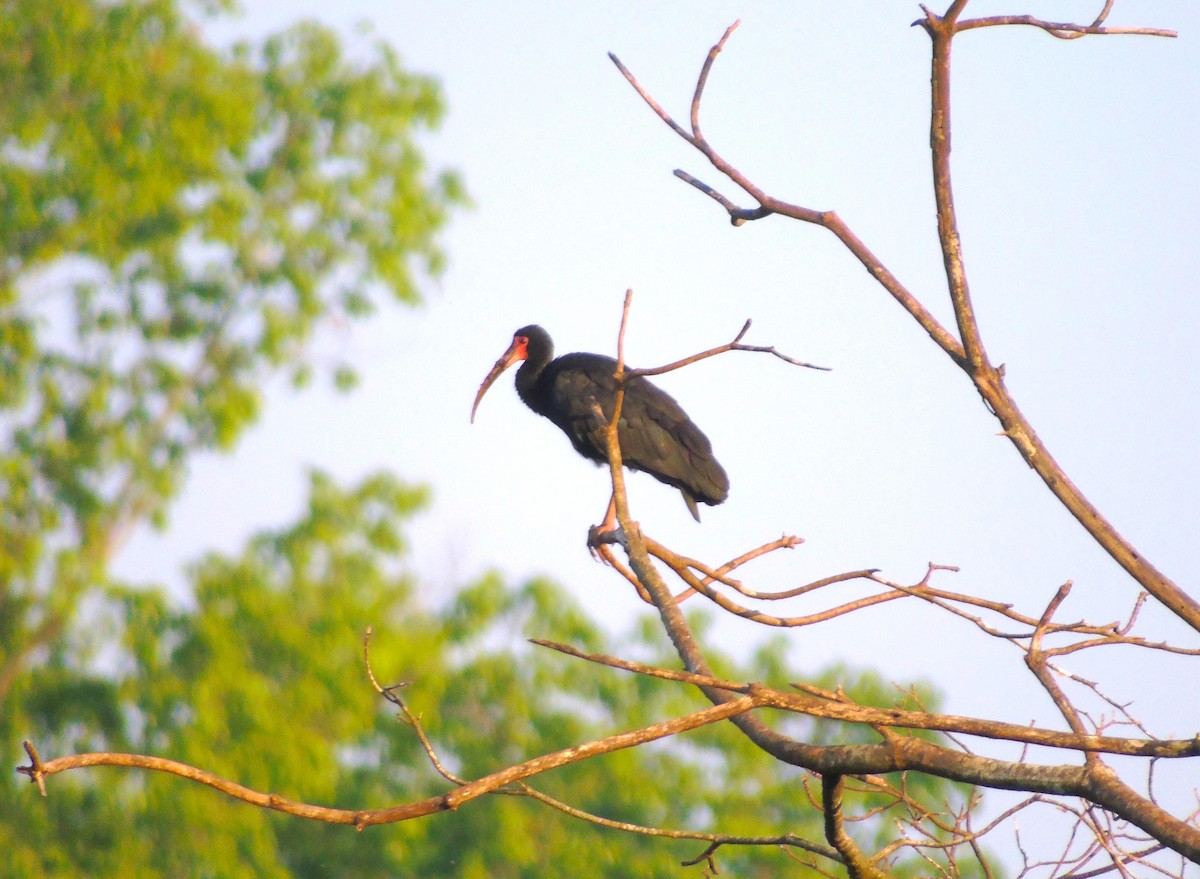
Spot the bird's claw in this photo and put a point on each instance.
(600, 540)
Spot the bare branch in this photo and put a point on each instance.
(450, 800)
(1036, 660)
(604, 550)
(703, 79)
(737, 216)
(967, 351)
(662, 114)
(715, 840)
(1064, 30)
(520, 788)
(735, 345)
(858, 865)
(841, 708)
(682, 569)
(987, 378)
(35, 770)
(769, 205)
(721, 574)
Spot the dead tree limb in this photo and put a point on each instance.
(966, 349)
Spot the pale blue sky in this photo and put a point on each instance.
(1079, 198)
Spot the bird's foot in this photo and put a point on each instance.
(600, 540)
(604, 555)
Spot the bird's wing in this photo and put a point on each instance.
(582, 402)
(658, 436)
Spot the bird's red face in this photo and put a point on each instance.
(518, 350)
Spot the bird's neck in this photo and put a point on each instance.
(527, 386)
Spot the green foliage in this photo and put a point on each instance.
(178, 223)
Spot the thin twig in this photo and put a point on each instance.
(715, 840)
(735, 345)
(521, 788)
(703, 79)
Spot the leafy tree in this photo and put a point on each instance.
(178, 222)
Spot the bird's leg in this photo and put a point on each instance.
(610, 516)
(604, 533)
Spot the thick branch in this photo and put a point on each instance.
(990, 381)
(1018, 429)
(942, 32)
(858, 865)
(897, 717)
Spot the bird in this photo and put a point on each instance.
(655, 434)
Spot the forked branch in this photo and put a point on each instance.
(966, 348)
(1063, 30)
(715, 840)
(735, 345)
(850, 712)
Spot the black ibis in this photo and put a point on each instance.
(655, 434)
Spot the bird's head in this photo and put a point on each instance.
(528, 343)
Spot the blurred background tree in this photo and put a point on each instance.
(178, 223)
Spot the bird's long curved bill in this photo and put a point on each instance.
(507, 359)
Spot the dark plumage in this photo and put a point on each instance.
(656, 435)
